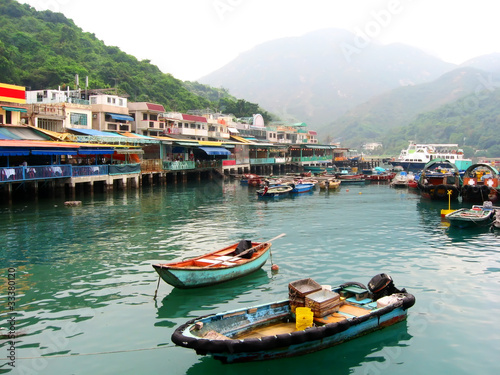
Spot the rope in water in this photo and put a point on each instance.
(88, 354)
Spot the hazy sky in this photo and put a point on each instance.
(191, 38)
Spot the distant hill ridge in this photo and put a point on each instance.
(309, 77)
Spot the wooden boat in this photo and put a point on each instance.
(216, 267)
(481, 182)
(400, 180)
(274, 191)
(384, 176)
(435, 182)
(330, 184)
(251, 179)
(303, 187)
(275, 330)
(477, 216)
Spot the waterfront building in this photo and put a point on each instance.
(110, 113)
(12, 104)
(58, 110)
(148, 118)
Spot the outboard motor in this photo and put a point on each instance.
(382, 285)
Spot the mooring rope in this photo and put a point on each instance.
(89, 354)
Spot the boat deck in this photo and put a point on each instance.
(346, 311)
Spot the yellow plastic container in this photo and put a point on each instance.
(303, 318)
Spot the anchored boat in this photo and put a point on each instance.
(311, 319)
(416, 156)
(231, 262)
(477, 216)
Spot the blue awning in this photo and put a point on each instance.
(13, 151)
(116, 116)
(59, 151)
(216, 150)
(14, 109)
(96, 151)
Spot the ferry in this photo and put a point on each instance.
(416, 156)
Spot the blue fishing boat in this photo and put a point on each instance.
(311, 319)
(229, 263)
(302, 187)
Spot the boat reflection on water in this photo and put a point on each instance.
(182, 303)
(368, 354)
(467, 234)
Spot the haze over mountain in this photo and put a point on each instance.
(401, 106)
(318, 77)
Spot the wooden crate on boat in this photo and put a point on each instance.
(297, 290)
(323, 302)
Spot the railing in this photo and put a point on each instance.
(178, 165)
(89, 170)
(261, 160)
(298, 159)
(34, 173)
(45, 172)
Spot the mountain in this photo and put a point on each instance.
(488, 63)
(401, 106)
(43, 49)
(317, 77)
(471, 121)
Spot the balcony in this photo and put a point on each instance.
(116, 126)
(149, 124)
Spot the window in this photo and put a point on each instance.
(120, 102)
(78, 119)
(52, 125)
(153, 117)
(144, 116)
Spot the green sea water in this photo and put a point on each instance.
(84, 284)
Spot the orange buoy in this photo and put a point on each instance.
(346, 189)
(275, 267)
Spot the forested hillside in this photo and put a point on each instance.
(400, 107)
(472, 122)
(44, 49)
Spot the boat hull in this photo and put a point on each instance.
(302, 188)
(466, 218)
(195, 333)
(195, 278)
(203, 273)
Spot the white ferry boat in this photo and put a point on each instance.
(416, 156)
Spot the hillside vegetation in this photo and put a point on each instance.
(43, 49)
(471, 122)
(400, 107)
